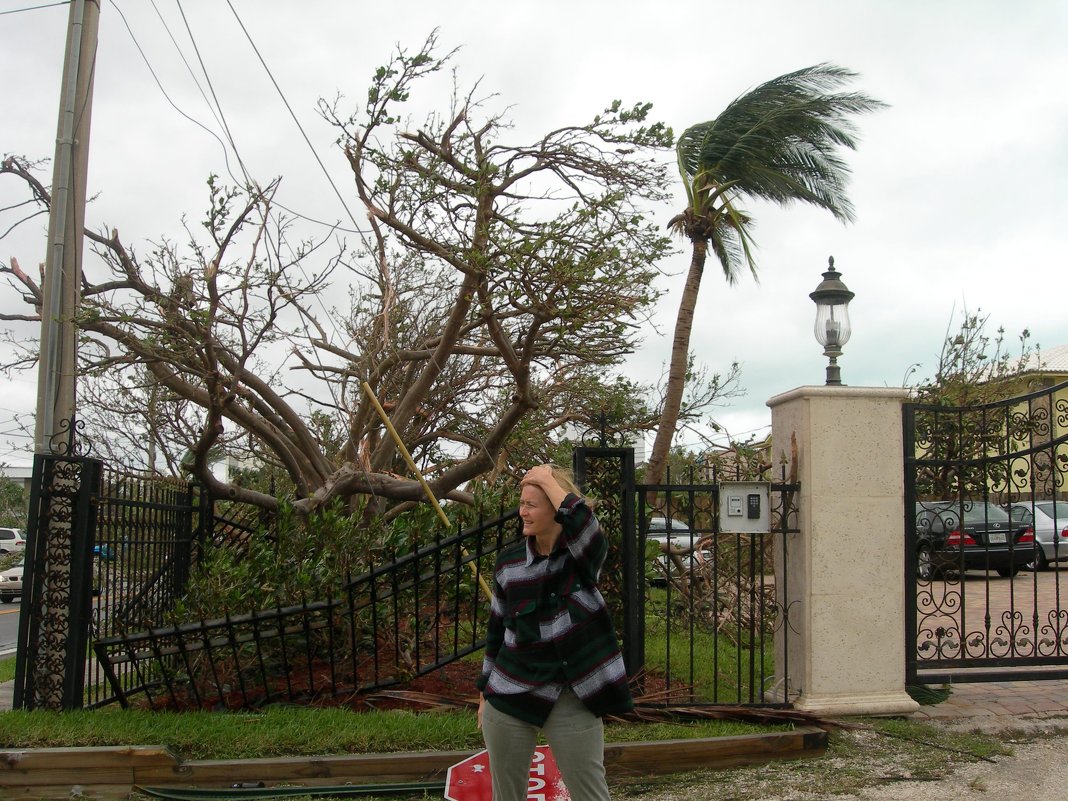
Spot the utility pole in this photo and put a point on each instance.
(66, 222)
(54, 628)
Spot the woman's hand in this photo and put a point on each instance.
(542, 478)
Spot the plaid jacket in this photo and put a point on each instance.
(549, 626)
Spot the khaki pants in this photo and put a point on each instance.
(574, 733)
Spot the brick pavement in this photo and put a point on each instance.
(1010, 605)
(984, 699)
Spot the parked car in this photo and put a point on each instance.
(12, 539)
(986, 539)
(1049, 519)
(676, 533)
(11, 583)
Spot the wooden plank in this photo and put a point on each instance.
(64, 792)
(668, 756)
(110, 773)
(115, 774)
(88, 757)
(417, 766)
(30, 772)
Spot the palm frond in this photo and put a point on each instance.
(780, 141)
(731, 242)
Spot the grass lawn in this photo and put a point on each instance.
(291, 731)
(856, 759)
(298, 730)
(718, 670)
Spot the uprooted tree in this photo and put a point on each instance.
(487, 303)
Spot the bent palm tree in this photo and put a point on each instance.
(780, 142)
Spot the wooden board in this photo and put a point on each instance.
(111, 772)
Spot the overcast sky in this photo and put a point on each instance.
(959, 187)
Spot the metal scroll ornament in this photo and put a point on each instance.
(603, 435)
(69, 440)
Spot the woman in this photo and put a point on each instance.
(552, 660)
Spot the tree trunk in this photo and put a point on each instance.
(680, 361)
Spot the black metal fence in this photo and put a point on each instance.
(986, 521)
(109, 551)
(698, 621)
(702, 630)
(397, 621)
(712, 613)
(149, 531)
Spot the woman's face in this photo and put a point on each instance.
(536, 512)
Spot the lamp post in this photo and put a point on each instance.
(832, 327)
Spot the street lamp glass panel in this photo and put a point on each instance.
(832, 328)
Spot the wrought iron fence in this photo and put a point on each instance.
(397, 621)
(148, 536)
(112, 551)
(698, 625)
(712, 609)
(980, 603)
(705, 633)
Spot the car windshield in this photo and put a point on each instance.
(1055, 509)
(661, 524)
(974, 511)
(984, 513)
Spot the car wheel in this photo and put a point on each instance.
(1008, 571)
(1040, 562)
(7, 600)
(924, 562)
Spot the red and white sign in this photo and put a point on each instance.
(470, 780)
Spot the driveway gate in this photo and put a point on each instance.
(986, 570)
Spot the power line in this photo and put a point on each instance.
(34, 8)
(220, 116)
(211, 88)
(159, 84)
(289, 108)
(311, 147)
(214, 113)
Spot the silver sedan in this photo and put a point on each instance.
(1050, 522)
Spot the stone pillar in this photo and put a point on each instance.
(846, 569)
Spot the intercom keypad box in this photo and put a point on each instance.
(743, 507)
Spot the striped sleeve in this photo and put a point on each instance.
(584, 537)
(494, 635)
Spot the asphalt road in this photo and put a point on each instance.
(9, 626)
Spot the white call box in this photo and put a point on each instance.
(744, 507)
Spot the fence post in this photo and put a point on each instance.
(613, 488)
(56, 610)
(845, 569)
